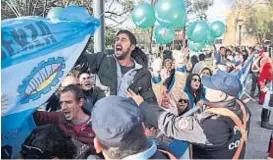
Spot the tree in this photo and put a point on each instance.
(118, 11)
(198, 8)
(269, 3)
(241, 5)
(115, 10)
(18, 8)
(110, 36)
(259, 23)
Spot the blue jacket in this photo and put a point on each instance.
(218, 58)
(191, 96)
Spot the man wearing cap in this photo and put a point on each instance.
(121, 135)
(126, 68)
(220, 131)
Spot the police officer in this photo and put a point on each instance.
(221, 130)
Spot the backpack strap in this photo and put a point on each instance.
(170, 155)
(242, 125)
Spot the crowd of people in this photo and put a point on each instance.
(115, 107)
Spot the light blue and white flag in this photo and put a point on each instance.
(36, 54)
(243, 73)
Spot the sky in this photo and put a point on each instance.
(219, 9)
(216, 12)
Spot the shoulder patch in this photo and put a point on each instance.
(186, 123)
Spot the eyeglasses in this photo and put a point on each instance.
(196, 80)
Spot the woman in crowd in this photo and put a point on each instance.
(229, 55)
(195, 90)
(202, 69)
(245, 54)
(239, 60)
(206, 71)
(166, 71)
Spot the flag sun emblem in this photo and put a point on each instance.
(41, 79)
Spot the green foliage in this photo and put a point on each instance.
(110, 36)
(259, 23)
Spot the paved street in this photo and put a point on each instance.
(258, 138)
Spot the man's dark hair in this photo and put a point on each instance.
(74, 89)
(46, 142)
(194, 60)
(201, 57)
(131, 36)
(139, 56)
(78, 76)
(222, 47)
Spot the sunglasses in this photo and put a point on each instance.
(196, 80)
(183, 101)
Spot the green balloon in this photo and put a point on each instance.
(164, 35)
(195, 46)
(181, 24)
(217, 28)
(199, 32)
(55, 12)
(210, 39)
(143, 15)
(190, 30)
(170, 13)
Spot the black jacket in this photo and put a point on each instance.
(104, 65)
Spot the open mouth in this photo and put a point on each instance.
(87, 85)
(196, 86)
(118, 48)
(67, 114)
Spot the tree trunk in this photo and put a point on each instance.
(151, 40)
(151, 33)
(236, 22)
(29, 7)
(184, 42)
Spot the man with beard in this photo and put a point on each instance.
(89, 91)
(123, 70)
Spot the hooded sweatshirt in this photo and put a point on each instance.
(198, 67)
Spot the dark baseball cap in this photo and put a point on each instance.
(224, 82)
(116, 121)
